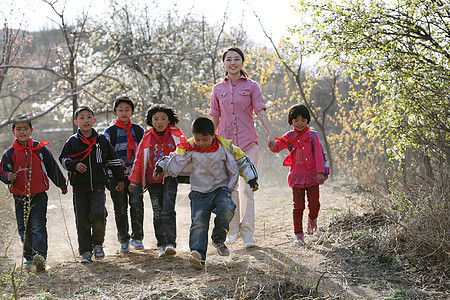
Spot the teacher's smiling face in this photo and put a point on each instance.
(233, 63)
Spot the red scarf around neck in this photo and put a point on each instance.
(294, 138)
(212, 148)
(29, 147)
(86, 152)
(166, 147)
(130, 140)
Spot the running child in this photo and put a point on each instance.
(26, 167)
(124, 136)
(160, 140)
(307, 168)
(87, 155)
(214, 165)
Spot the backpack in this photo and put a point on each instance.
(113, 133)
(313, 135)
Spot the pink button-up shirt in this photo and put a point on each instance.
(234, 105)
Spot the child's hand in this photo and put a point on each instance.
(131, 187)
(122, 163)
(253, 185)
(271, 142)
(120, 186)
(320, 178)
(12, 177)
(64, 190)
(158, 171)
(81, 168)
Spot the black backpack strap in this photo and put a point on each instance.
(138, 132)
(113, 135)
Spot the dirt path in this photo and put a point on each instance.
(139, 274)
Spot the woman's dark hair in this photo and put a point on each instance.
(297, 110)
(241, 54)
(123, 99)
(173, 117)
(203, 125)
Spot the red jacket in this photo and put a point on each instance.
(33, 171)
(141, 161)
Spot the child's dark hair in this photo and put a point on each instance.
(21, 119)
(173, 117)
(82, 108)
(203, 125)
(123, 99)
(241, 54)
(297, 110)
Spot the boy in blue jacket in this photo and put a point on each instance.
(87, 155)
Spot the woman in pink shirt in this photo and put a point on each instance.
(233, 102)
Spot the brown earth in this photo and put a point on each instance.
(276, 269)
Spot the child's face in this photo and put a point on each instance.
(22, 132)
(203, 141)
(160, 121)
(124, 112)
(85, 120)
(233, 63)
(299, 123)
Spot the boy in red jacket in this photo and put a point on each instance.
(26, 167)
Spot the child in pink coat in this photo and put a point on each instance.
(307, 168)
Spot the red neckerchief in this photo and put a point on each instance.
(90, 144)
(130, 140)
(293, 139)
(212, 148)
(166, 147)
(29, 147)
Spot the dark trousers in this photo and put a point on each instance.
(121, 201)
(163, 196)
(90, 218)
(31, 217)
(299, 205)
(202, 205)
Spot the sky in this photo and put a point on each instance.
(275, 15)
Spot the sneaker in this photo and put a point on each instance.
(86, 257)
(221, 249)
(27, 265)
(39, 262)
(299, 238)
(312, 226)
(170, 250)
(137, 244)
(231, 238)
(249, 244)
(98, 252)
(162, 251)
(125, 247)
(195, 260)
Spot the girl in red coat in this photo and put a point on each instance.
(307, 168)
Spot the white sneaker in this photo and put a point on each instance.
(250, 244)
(162, 251)
(231, 238)
(170, 250)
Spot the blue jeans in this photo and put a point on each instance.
(121, 201)
(31, 217)
(202, 205)
(90, 218)
(163, 196)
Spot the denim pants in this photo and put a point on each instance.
(121, 201)
(90, 218)
(163, 196)
(202, 205)
(31, 217)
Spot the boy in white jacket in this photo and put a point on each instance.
(214, 165)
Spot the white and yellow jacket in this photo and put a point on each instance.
(209, 170)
